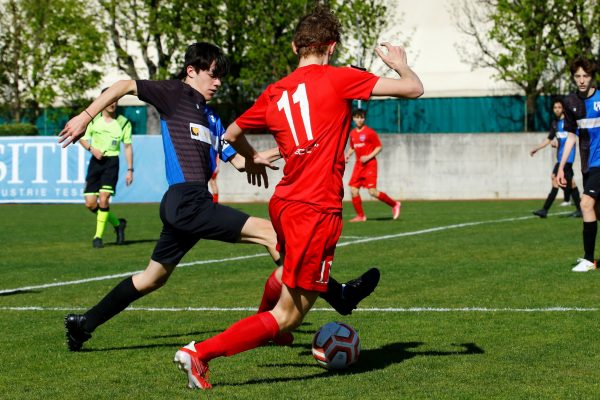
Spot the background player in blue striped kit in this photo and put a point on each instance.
(582, 118)
(557, 132)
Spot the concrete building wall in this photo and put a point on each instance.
(434, 167)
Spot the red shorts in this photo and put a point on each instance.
(364, 176)
(307, 238)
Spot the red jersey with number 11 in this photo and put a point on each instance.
(309, 112)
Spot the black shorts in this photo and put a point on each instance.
(102, 176)
(592, 182)
(568, 170)
(188, 215)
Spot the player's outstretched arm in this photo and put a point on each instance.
(75, 128)
(255, 164)
(408, 86)
(541, 146)
(271, 155)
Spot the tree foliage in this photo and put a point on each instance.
(577, 29)
(53, 49)
(364, 24)
(149, 37)
(527, 42)
(48, 49)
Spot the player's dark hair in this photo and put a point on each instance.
(201, 55)
(359, 112)
(316, 31)
(587, 64)
(558, 100)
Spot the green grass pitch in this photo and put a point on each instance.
(476, 301)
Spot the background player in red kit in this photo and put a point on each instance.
(308, 112)
(366, 144)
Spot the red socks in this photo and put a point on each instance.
(245, 334)
(386, 199)
(215, 198)
(357, 203)
(271, 293)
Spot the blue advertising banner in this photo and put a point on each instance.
(38, 170)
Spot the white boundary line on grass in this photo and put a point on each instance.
(351, 242)
(368, 310)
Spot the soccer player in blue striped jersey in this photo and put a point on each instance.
(582, 119)
(557, 132)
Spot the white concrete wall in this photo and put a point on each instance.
(435, 167)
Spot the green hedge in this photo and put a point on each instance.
(18, 130)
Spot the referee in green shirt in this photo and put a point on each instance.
(103, 139)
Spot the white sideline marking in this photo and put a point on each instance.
(351, 242)
(440, 228)
(373, 310)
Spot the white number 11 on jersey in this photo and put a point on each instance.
(299, 96)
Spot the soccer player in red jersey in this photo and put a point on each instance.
(308, 112)
(366, 144)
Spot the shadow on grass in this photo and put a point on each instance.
(130, 242)
(381, 219)
(136, 347)
(195, 334)
(18, 291)
(185, 337)
(200, 335)
(370, 360)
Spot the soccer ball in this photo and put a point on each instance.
(336, 345)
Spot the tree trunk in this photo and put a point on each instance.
(530, 111)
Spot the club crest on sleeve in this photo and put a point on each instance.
(200, 132)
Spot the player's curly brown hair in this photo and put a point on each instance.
(588, 65)
(316, 31)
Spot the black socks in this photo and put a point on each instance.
(550, 199)
(590, 229)
(113, 303)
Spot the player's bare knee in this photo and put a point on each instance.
(587, 204)
(104, 201)
(146, 286)
(373, 192)
(259, 230)
(270, 236)
(287, 321)
(153, 277)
